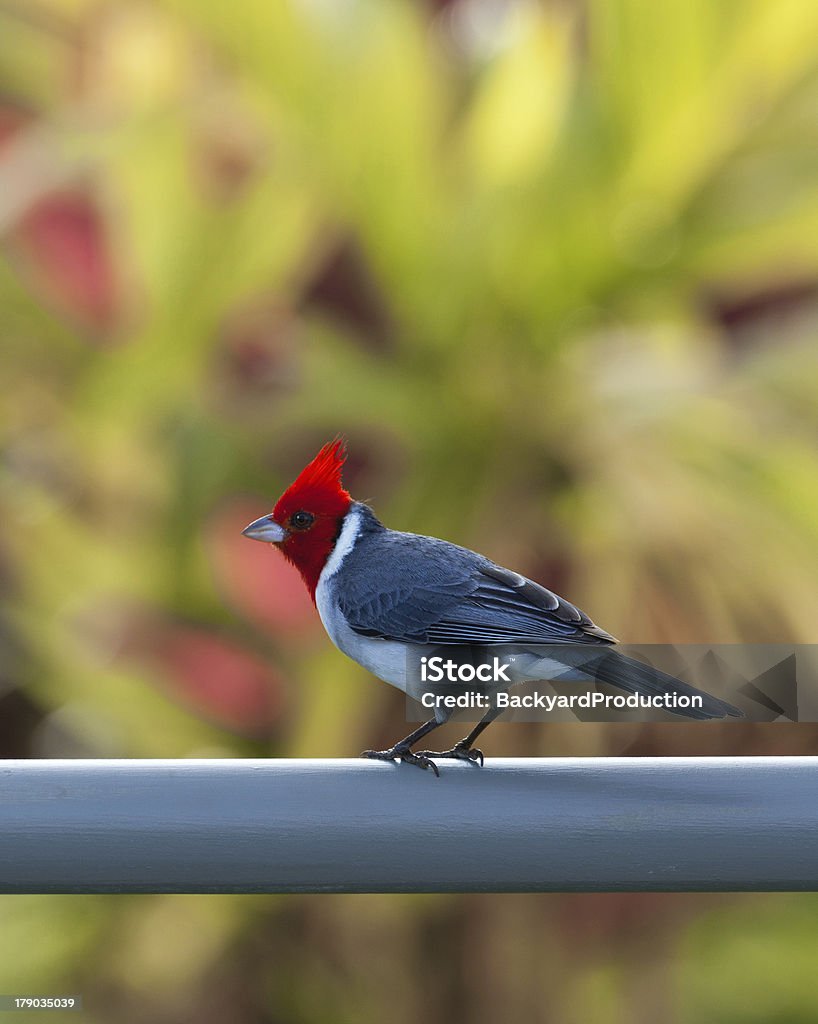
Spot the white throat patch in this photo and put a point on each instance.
(345, 543)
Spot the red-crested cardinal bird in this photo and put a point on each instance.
(380, 592)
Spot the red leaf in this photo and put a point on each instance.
(64, 240)
(220, 680)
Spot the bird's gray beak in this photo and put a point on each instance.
(265, 529)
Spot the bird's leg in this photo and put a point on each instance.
(402, 749)
(463, 749)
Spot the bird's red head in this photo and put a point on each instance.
(307, 518)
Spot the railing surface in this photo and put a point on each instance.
(522, 825)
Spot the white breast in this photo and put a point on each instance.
(384, 658)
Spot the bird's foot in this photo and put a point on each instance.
(458, 753)
(405, 755)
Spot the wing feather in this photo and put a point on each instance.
(431, 591)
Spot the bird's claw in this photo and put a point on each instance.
(405, 755)
(471, 754)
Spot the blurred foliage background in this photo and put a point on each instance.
(553, 269)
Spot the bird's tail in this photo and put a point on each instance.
(636, 677)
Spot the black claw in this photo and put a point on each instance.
(405, 755)
(457, 753)
(380, 755)
(474, 754)
(421, 760)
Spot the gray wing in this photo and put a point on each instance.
(429, 591)
(507, 608)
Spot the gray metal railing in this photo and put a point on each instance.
(538, 825)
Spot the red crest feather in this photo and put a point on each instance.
(318, 486)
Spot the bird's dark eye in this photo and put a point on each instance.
(302, 520)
